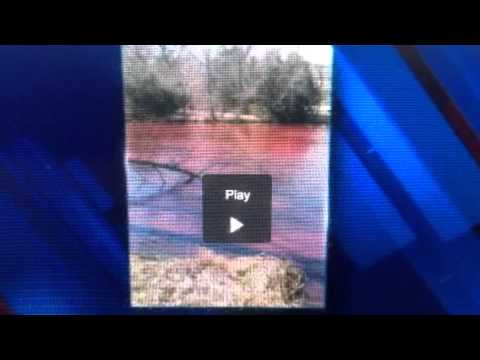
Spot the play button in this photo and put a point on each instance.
(235, 225)
(236, 208)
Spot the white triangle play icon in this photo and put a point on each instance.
(235, 225)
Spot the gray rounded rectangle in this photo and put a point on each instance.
(237, 208)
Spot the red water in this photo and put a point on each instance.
(295, 156)
(249, 147)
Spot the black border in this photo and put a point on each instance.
(253, 23)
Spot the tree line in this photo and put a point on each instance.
(170, 82)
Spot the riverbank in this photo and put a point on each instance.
(213, 280)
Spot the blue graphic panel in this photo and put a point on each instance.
(405, 198)
(394, 129)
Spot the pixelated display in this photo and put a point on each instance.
(201, 110)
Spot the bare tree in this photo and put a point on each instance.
(211, 83)
(289, 90)
(162, 80)
(154, 86)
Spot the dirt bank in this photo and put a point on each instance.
(214, 280)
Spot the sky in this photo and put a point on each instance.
(316, 54)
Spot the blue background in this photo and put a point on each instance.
(405, 191)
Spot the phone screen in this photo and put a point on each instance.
(227, 160)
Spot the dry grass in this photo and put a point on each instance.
(214, 280)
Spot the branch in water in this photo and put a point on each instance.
(173, 167)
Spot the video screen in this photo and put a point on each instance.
(227, 161)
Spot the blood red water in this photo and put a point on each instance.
(295, 156)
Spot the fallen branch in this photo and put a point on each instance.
(173, 167)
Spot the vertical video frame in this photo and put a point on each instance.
(197, 110)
